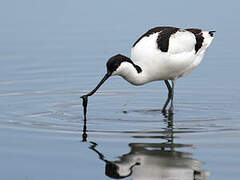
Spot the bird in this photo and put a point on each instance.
(162, 53)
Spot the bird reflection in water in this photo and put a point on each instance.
(153, 161)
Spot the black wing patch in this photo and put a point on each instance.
(165, 33)
(163, 38)
(199, 37)
(152, 31)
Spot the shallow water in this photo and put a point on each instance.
(48, 60)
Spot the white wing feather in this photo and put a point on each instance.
(181, 42)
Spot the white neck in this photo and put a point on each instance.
(129, 73)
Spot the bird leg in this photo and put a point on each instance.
(170, 96)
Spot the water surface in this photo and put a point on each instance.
(53, 52)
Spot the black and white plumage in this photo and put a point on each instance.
(162, 53)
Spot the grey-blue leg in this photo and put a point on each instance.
(170, 96)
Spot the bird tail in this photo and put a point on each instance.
(211, 33)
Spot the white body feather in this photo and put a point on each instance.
(180, 59)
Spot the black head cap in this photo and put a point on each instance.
(115, 61)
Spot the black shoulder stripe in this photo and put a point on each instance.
(152, 31)
(199, 39)
(163, 38)
(198, 36)
(194, 30)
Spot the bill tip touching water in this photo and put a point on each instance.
(84, 103)
(161, 54)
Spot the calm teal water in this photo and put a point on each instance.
(51, 52)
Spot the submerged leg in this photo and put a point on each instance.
(170, 96)
(170, 92)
